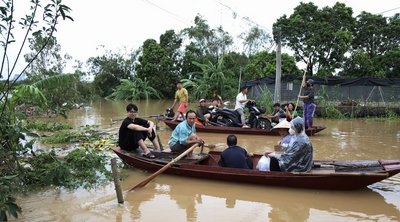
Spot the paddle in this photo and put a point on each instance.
(301, 86)
(154, 175)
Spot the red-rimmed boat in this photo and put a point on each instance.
(335, 175)
(238, 130)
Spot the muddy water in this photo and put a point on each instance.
(170, 198)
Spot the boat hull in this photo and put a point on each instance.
(238, 130)
(317, 179)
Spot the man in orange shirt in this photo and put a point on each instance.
(183, 97)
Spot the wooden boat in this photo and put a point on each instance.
(238, 130)
(336, 175)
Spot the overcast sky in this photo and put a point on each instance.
(127, 23)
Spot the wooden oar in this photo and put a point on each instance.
(154, 175)
(301, 86)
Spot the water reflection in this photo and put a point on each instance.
(209, 200)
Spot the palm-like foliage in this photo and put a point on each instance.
(134, 89)
(210, 81)
(42, 91)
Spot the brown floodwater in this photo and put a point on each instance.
(171, 198)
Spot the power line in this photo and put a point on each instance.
(177, 17)
(389, 10)
(245, 18)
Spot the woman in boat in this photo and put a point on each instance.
(283, 130)
(290, 112)
(298, 157)
(287, 138)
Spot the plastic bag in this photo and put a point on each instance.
(263, 164)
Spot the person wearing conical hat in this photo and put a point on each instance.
(283, 129)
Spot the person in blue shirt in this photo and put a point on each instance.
(277, 114)
(235, 156)
(184, 135)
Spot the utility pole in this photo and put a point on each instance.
(240, 78)
(278, 86)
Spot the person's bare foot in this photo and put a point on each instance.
(193, 157)
(168, 150)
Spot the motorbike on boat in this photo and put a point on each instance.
(230, 117)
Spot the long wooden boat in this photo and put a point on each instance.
(238, 130)
(336, 175)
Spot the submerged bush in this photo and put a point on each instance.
(47, 126)
(81, 167)
(66, 136)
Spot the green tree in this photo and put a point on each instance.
(134, 89)
(205, 44)
(375, 47)
(56, 93)
(234, 64)
(49, 62)
(264, 64)
(11, 129)
(109, 69)
(318, 37)
(255, 40)
(209, 82)
(159, 63)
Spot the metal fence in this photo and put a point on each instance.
(337, 93)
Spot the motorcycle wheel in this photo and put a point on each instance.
(264, 124)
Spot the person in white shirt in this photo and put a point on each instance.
(241, 100)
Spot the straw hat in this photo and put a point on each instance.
(284, 124)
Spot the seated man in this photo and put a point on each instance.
(134, 131)
(203, 113)
(184, 135)
(298, 157)
(235, 156)
(277, 114)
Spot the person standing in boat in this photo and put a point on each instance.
(235, 156)
(298, 157)
(241, 100)
(182, 95)
(133, 131)
(184, 135)
(309, 105)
